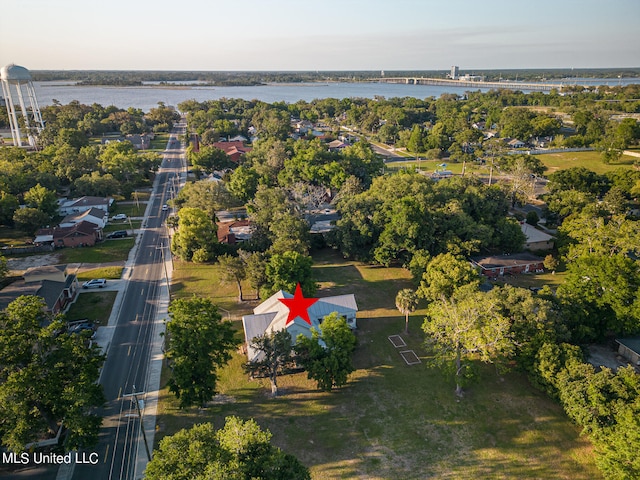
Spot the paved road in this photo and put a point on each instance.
(122, 449)
(132, 343)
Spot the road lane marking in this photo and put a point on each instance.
(129, 351)
(119, 393)
(106, 453)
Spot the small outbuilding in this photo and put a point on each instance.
(629, 348)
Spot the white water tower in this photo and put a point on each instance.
(18, 87)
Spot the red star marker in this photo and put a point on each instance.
(298, 306)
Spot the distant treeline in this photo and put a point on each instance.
(137, 77)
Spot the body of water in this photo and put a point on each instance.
(147, 97)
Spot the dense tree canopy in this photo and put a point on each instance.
(46, 377)
(326, 356)
(238, 451)
(196, 238)
(406, 212)
(197, 343)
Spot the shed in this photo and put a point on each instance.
(629, 348)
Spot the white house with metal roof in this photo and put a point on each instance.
(271, 316)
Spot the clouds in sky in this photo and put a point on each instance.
(328, 35)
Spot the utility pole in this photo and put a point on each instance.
(134, 397)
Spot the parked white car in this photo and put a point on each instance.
(120, 216)
(95, 283)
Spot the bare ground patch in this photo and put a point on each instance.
(18, 265)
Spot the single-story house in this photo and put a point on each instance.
(234, 232)
(82, 204)
(53, 283)
(498, 265)
(336, 145)
(83, 234)
(94, 215)
(140, 142)
(536, 239)
(629, 348)
(271, 316)
(515, 143)
(234, 150)
(55, 273)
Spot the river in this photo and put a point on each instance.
(148, 96)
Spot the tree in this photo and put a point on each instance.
(243, 183)
(406, 303)
(4, 268)
(532, 218)
(205, 195)
(233, 270)
(600, 296)
(30, 219)
(198, 343)
(551, 263)
(43, 199)
(285, 270)
(8, 206)
(238, 451)
(209, 159)
(467, 325)
(276, 348)
(47, 378)
(196, 232)
(326, 356)
(255, 268)
(445, 274)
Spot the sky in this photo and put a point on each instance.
(276, 35)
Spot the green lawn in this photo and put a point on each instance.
(392, 421)
(112, 273)
(94, 306)
(104, 252)
(119, 225)
(129, 209)
(553, 161)
(591, 160)
(11, 236)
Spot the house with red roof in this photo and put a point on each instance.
(235, 150)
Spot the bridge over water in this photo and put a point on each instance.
(470, 83)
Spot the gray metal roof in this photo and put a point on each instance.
(632, 343)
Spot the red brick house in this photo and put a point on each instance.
(513, 264)
(83, 234)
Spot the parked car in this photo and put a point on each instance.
(118, 234)
(80, 327)
(120, 216)
(165, 207)
(95, 283)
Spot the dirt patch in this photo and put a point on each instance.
(18, 265)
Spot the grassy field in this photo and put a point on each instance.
(590, 160)
(129, 209)
(392, 420)
(112, 273)
(104, 252)
(94, 306)
(11, 236)
(553, 161)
